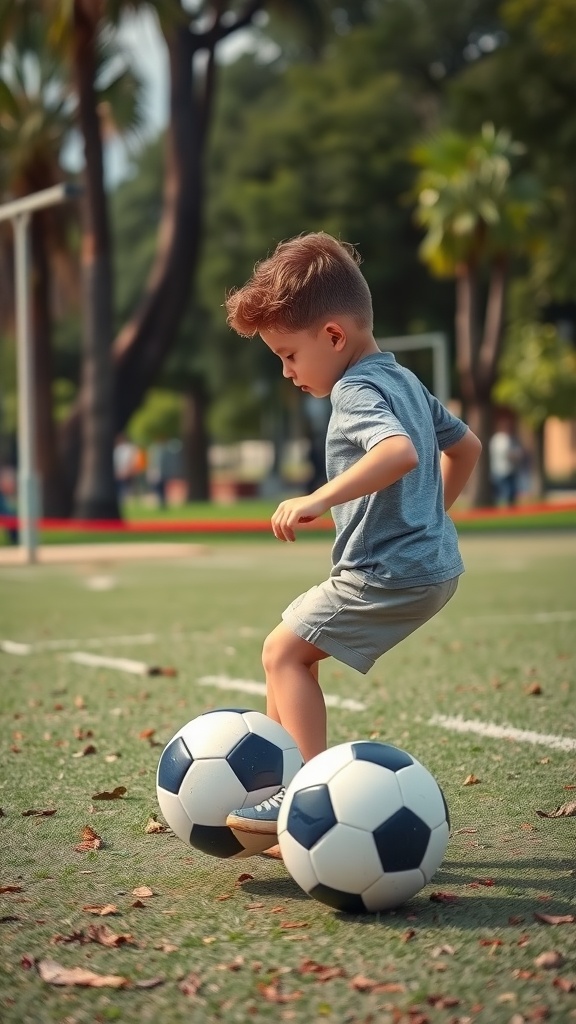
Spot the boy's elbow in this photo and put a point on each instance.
(410, 456)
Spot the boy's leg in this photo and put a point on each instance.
(293, 693)
(294, 699)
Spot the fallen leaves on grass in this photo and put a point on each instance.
(244, 878)
(89, 749)
(153, 826)
(54, 974)
(321, 972)
(471, 780)
(102, 909)
(191, 984)
(362, 984)
(293, 924)
(90, 840)
(533, 690)
(273, 993)
(143, 892)
(443, 897)
(563, 811)
(10, 888)
(550, 960)
(556, 918)
(116, 794)
(33, 812)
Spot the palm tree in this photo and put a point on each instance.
(35, 122)
(478, 215)
(40, 108)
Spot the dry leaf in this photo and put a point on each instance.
(320, 971)
(243, 878)
(90, 840)
(39, 814)
(102, 909)
(10, 888)
(90, 749)
(362, 984)
(471, 780)
(191, 984)
(443, 897)
(273, 993)
(294, 924)
(564, 984)
(116, 794)
(142, 892)
(55, 974)
(154, 826)
(162, 670)
(148, 982)
(563, 811)
(556, 918)
(101, 934)
(534, 690)
(549, 961)
(146, 734)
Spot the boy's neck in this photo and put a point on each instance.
(361, 346)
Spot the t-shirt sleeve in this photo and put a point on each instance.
(449, 428)
(363, 415)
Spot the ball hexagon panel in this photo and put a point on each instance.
(301, 867)
(390, 891)
(257, 763)
(346, 859)
(381, 753)
(402, 841)
(322, 767)
(210, 790)
(174, 763)
(310, 815)
(422, 794)
(214, 734)
(364, 794)
(175, 814)
(435, 851)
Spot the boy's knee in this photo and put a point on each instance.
(272, 651)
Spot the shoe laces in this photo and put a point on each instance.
(273, 801)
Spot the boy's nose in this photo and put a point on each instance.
(286, 371)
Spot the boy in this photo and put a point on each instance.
(395, 559)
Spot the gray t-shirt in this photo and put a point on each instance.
(400, 536)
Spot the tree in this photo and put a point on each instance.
(141, 346)
(478, 214)
(537, 378)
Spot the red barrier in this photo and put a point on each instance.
(258, 525)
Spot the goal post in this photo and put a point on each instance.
(436, 344)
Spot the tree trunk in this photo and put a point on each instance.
(477, 362)
(54, 500)
(95, 496)
(195, 440)
(539, 465)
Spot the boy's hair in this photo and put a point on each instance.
(307, 278)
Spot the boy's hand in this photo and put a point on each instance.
(293, 511)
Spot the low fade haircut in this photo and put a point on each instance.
(309, 278)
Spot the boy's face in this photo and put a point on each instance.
(312, 359)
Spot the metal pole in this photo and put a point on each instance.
(19, 212)
(28, 491)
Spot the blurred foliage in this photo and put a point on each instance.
(537, 373)
(158, 418)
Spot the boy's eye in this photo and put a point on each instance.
(291, 356)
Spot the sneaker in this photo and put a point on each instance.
(256, 827)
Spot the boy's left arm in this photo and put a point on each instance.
(388, 461)
(457, 464)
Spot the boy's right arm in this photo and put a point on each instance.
(457, 464)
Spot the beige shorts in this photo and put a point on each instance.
(356, 622)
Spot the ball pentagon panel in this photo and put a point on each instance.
(381, 753)
(422, 794)
(402, 841)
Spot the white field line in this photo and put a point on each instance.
(503, 732)
(14, 647)
(251, 686)
(540, 618)
(137, 668)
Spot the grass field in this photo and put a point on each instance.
(238, 941)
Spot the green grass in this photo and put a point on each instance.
(209, 614)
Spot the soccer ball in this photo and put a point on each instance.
(363, 827)
(221, 761)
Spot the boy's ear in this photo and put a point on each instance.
(336, 335)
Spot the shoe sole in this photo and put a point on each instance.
(255, 828)
(253, 843)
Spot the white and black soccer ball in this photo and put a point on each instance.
(223, 760)
(363, 827)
